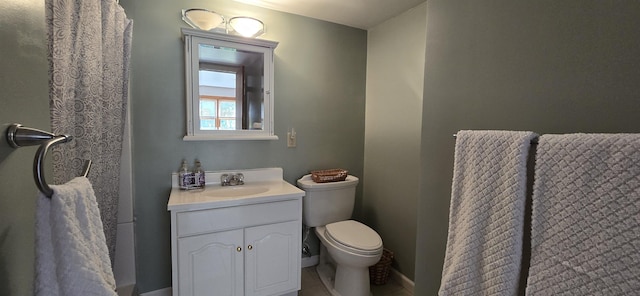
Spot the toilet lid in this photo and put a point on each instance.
(354, 234)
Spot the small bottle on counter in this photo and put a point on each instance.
(199, 175)
(185, 178)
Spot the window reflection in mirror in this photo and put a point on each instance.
(233, 79)
(221, 97)
(230, 86)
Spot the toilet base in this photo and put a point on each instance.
(327, 274)
(340, 280)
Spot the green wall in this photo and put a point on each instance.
(319, 90)
(546, 66)
(395, 77)
(23, 99)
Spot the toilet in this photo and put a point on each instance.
(348, 247)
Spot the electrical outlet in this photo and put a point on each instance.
(291, 138)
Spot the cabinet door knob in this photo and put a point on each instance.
(238, 249)
(250, 247)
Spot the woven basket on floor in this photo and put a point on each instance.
(332, 175)
(379, 273)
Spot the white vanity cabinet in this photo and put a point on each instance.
(239, 246)
(252, 261)
(210, 262)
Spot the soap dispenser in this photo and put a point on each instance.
(199, 175)
(185, 178)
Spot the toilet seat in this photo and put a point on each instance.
(354, 236)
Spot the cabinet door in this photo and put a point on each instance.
(272, 259)
(211, 264)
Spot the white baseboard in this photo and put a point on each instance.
(404, 281)
(310, 261)
(161, 292)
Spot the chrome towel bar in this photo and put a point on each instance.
(20, 136)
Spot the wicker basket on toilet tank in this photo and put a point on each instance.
(332, 175)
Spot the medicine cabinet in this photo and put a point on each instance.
(229, 87)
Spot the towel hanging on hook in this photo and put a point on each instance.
(20, 136)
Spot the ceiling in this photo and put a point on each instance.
(363, 14)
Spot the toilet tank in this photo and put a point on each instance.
(326, 203)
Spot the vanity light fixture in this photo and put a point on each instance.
(208, 20)
(202, 19)
(247, 26)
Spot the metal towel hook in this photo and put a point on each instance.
(20, 136)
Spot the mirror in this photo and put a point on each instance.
(229, 83)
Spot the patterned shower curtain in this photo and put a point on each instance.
(89, 51)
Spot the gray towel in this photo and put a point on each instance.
(484, 244)
(586, 216)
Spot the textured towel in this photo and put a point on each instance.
(71, 251)
(585, 237)
(486, 218)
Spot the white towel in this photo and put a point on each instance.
(71, 251)
(486, 218)
(585, 237)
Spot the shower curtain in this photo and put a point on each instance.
(89, 50)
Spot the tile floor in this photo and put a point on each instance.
(312, 286)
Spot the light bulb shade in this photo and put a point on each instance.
(202, 19)
(247, 26)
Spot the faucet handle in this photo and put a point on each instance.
(240, 178)
(224, 180)
(232, 179)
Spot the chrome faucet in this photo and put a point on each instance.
(232, 180)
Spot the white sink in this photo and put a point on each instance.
(260, 185)
(233, 191)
